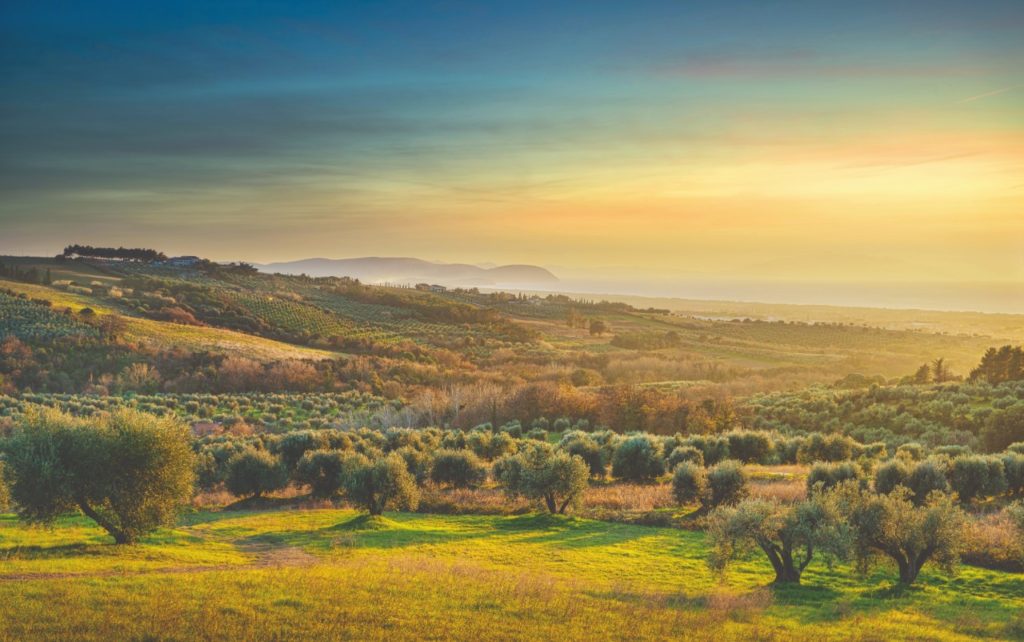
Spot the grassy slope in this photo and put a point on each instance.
(171, 335)
(311, 575)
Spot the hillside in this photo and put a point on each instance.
(401, 342)
(409, 271)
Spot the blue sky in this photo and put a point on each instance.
(698, 138)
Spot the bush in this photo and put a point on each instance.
(251, 473)
(128, 471)
(689, 483)
(458, 469)
(824, 476)
(1013, 469)
(910, 452)
(292, 446)
(587, 450)
(976, 476)
(638, 459)
(5, 495)
(727, 484)
(820, 447)
(890, 475)
(714, 449)
(323, 471)
(750, 447)
(684, 453)
(1004, 427)
(556, 478)
(380, 484)
(419, 463)
(926, 477)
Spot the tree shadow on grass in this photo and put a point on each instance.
(571, 532)
(361, 531)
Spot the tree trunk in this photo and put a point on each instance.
(908, 568)
(119, 535)
(550, 501)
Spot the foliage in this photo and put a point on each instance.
(680, 454)
(128, 471)
(976, 476)
(252, 473)
(689, 483)
(824, 476)
(638, 458)
(556, 478)
(789, 535)
(458, 469)
(381, 484)
(727, 484)
(892, 526)
(323, 471)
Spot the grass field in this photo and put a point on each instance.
(329, 574)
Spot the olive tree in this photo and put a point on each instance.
(722, 484)
(556, 478)
(323, 471)
(380, 484)
(128, 471)
(252, 473)
(892, 526)
(638, 458)
(788, 534)
(458, 469)
(589, 451)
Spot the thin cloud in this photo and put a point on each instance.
(987, 94)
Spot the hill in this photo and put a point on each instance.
(409, 271)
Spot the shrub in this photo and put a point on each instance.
(788, 534)
(976, 476)
(820, 447)
(419, 463)
(1004, 427)
(750, 447)
(587, 450)
(910, 452)
(5, 495)
(323, 471)
(251, 473)
(292, 446)
(638, 459)
(128, 471)
(926, 477)
(727, 484)
(684, 453)
(458, 469)
(951, 451)
(825, 475)
(714, 449)
(890, 475)
(380, 484)
(556, 478)
(689, 483)
(890, 525)
(1016, 448)
(1013, 469)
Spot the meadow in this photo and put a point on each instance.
(329, 574)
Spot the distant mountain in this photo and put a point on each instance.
(373, 269)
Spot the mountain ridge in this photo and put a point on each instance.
(377, 269)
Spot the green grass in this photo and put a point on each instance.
(331, 574)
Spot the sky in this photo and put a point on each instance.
(726, 141)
